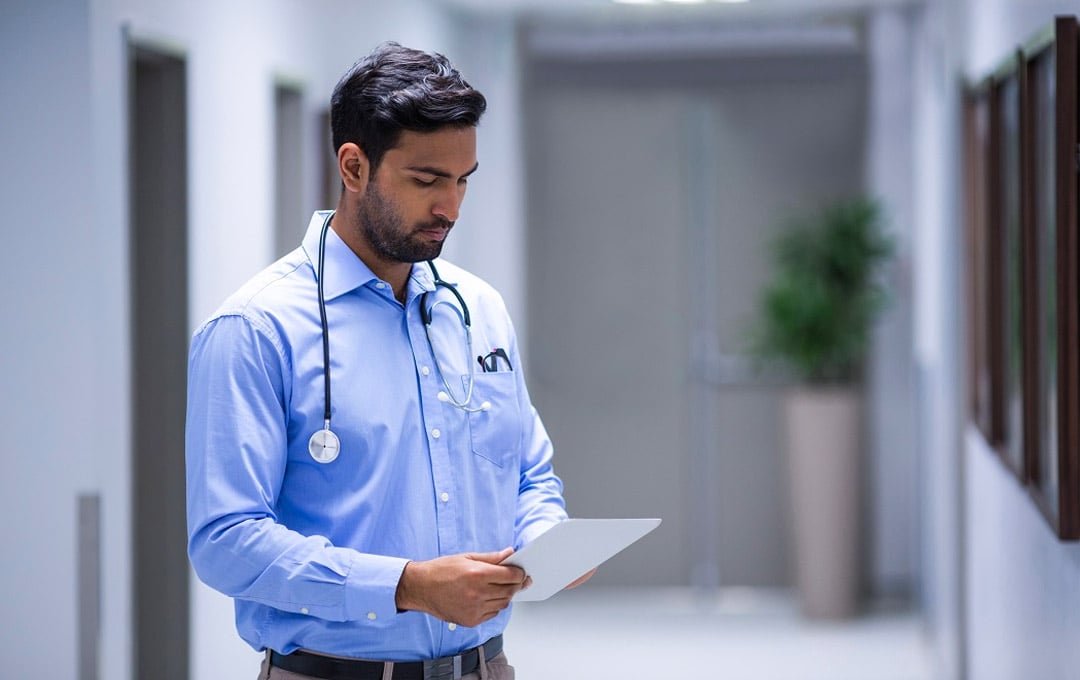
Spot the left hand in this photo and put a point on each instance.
(581, 580)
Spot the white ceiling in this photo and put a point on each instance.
(604, 28)
(711, 9)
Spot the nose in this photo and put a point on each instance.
(449, 203)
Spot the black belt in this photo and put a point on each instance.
(329, 668)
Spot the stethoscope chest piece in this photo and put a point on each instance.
(324, 446)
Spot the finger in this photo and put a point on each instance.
(491, 557)
(498, 593)
(495, 608)
(581, 579)
(502, 592)
(505, 576)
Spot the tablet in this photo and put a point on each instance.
(570, 549)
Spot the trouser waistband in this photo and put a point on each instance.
(330, 668)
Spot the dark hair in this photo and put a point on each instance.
(396, 88)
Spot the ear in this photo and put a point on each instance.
(353, 167)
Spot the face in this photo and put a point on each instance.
(410, 205)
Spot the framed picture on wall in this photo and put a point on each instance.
(1006, 289)
(984, 346)
(1049, 208)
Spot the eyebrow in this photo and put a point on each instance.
(430, 170)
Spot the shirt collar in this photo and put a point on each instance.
(342, 269)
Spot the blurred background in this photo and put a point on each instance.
(636, 160)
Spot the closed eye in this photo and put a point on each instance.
(424, 182)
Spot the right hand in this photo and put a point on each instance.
(465, 589)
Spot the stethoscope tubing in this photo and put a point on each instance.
(322, 319)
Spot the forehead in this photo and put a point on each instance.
(452, 149)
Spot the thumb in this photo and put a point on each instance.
(492, 557)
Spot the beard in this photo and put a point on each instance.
(384, 229)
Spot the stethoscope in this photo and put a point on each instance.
(324, 445)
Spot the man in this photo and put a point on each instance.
(358, 509)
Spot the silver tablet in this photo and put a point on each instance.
(570, 549)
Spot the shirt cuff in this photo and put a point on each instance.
(371, 588)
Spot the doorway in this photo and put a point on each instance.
(289, 218)
(159, 328)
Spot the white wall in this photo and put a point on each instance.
(51, 423)
(937, 367)
(891, 477)
(1022, 611)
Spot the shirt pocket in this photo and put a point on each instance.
(495, 432)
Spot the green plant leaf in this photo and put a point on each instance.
(818, 310)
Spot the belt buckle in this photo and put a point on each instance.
(446, 668)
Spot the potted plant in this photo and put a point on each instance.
(816, 319)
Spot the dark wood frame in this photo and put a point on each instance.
(1056, 491)
(1007, 313)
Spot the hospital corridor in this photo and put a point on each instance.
(327, 323)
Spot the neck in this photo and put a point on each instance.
(393, 272)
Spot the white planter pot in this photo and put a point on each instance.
(822, 433)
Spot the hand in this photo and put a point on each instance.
(465, 589)
(581, 580)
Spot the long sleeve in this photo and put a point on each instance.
(236, 460)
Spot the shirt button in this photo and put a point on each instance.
(380, 285)
(371, 616)
(436, 433)
(452, 626)
(303, 610)
(444, 497)
(424, 370)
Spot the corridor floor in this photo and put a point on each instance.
(603, 633)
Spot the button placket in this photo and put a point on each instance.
(435, 428)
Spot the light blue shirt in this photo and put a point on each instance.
(312, 552)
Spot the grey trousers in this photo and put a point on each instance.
(497, 668)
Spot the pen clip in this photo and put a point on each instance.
(490, 361)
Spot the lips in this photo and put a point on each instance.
(436, 232)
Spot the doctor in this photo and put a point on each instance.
(362, 452)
